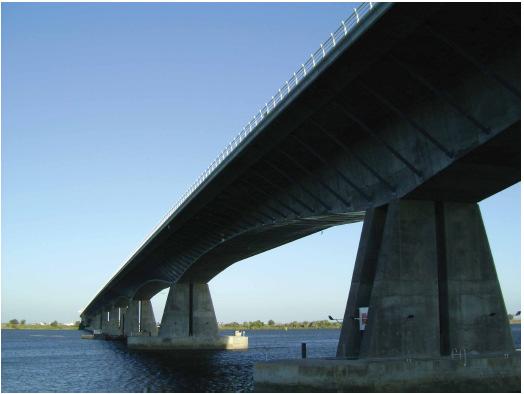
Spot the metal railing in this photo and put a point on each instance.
(313, 61)
(298, 76)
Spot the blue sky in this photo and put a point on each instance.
(109, 113)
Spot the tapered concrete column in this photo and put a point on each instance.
(105, 320)
(131, 319)
(404, 304)
(362, 282)
(426, 273)
(147, 318)
(139, 319)
(96, 322)
(175, 320)
(188, 322)
(188, 312)
(476, 318)
(114, 322)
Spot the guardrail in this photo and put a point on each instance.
(313, 60)
(310, 64)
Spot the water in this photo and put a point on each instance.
(41, 360)
(50, 361)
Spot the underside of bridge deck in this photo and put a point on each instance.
(413, 119)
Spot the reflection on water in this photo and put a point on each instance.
(61, 361)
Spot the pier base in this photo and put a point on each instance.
(188, 322)
(189, 343)
(495, 373)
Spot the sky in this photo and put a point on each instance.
(111, 111)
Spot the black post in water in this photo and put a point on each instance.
(304, 350)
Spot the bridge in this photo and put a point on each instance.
(406, 117)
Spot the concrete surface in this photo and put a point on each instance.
(189, 311)
(147, 318)
(429, 112)
(188, 343)
(112, 327)
(131, 318)
(426, 272)
(489, 373)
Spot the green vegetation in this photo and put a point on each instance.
(271, 325)
(14, 324)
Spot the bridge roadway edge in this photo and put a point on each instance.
(127, 285)
(396, 345)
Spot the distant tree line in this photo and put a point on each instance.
(258, 324)
(21, 324)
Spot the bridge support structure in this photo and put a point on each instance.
(111, 322)
(188, 322)
(93, 322)
(139, 319)
(436, 321)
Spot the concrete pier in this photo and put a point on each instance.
(426, 272)
(495, 373)
(188, 322)
(189, 311)
(139, 319)
(437, 320)
(229, 342)
(111, 326)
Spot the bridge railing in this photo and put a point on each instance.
(308, 66)
(298, 76)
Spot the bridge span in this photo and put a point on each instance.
(406, 117)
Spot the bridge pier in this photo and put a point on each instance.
(188, 322)
(94, 322)
(139, 319)
(437, 320)
(110, 322)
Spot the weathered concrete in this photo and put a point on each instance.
(188, 322)
(188, 312)
(362, 282)
(105, 325)
(95, 322)
(403, 308)
(436, 320)
(147, 318)
(476, 314)
(113, 325)
(175, 320)
(136, 323)
(188, 343)
(430, 112)
(425, 270)
(131, 319)
(489, 373)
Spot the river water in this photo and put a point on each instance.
(50, 361)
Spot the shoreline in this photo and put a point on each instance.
(220, 328)
(35, 327)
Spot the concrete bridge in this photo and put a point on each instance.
(406, 117)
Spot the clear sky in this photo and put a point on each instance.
(109, 113)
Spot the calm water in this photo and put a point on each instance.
(61, 361)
